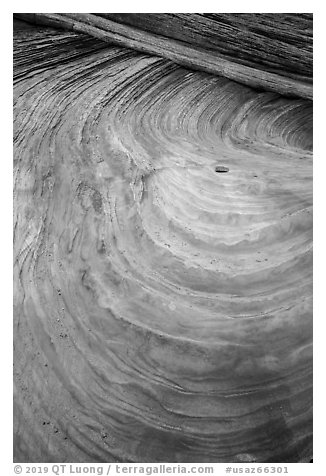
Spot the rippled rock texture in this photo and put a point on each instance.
(163, 255)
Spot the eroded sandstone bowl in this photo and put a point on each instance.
(162, 311)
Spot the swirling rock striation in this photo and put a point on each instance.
(162, 309)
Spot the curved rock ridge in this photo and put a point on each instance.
(273, 42)
(162, 310)
(242, 47)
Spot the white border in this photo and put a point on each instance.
(229, 6)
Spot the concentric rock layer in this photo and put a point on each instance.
(162, 308)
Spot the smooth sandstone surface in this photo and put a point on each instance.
(162, 309)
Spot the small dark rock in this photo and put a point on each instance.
(221, 169)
